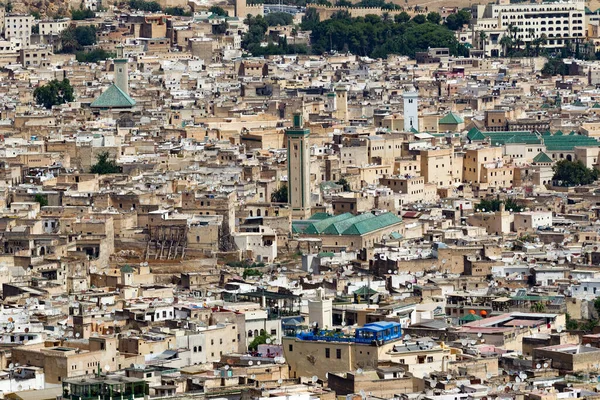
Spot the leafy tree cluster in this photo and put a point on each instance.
(40, 198)
(257, 28)
(457, 20)
(279, 18)
(177, 12)
(378, 37)
(35, 14)
(250, 272)
(245, 264)
(369, 3)
(494, 205)
(93, 56)
(104, 165)
(555, 66)
(345, 185)
(260, 339)
(81, 14)
(299, 3)
(74, 39)
(573, 173)
(142, 5)
(54, 93)
(218, 11)
(280, 195)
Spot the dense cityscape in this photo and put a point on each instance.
(332, 200)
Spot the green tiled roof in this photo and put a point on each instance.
(345, 224)
(113, 97)
(596, 105)
(500, 138)
(545, 105)
(365, 291)
(317, 227)
(542, 158)
(558, 133)
(470, 318)
(340, 227)
(451, 118)
(566, 143)
(320, 215)
(547, 133)
(372, 224)
(413, 130)
(476, 137)
(572, 133)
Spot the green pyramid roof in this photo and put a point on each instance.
(596, 105)
(572, 133)
(558, 133)
(413, 130)
(542, 158)
(545, 105)
(451, 118)
(365, 291)
(470, 318)
(113, 97)
(547, 133)
(578, 103)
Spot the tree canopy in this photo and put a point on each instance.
(279, 18)
(77, 15)
(93, 56)
(177, 12)
(555, 66)
(251, 42)
(379, 37)
(76, 38)
(280, 195)
(54, 93)
(218, 11)
(150, 6)
(494, 205)
(104, 165)
(573, 173)
(458, 20)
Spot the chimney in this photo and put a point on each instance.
(121, 74)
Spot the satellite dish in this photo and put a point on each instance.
(250, 362)
(258, 363)
(479, 334)
(545, 365)
(407, 337)
(538, 366)
(253, 376)
(488, 375)
(449, 377)
(280, 381)
(11, 365)
(107, 367)
(359, 371)
(226, 367)
(77, 334)
(268, 340)
(314, 379)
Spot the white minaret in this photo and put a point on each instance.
(411, 109)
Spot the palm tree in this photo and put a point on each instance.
(482, 40)
(538, 307)
(506, 42)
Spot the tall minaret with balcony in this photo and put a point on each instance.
(298, 163)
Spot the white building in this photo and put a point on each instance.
(53, 27)
(17, 28)
(558, 21)
(587, 289)
(531, 220)
(411, 109)
(261, 246)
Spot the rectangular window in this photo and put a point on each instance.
(291, 347)
(327, 354)
(338, 353)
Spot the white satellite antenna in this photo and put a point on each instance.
(314, 379)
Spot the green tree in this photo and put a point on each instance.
(150, 6)
(40, 198)
(507, 43)
(82, 13)
(573, 173)
(35, 29)
(419, 19)
(54, 93)
(344, 3)
(74, 39)
(260, 339)
(510, 204)
(572, 325)
(457, 20)
(538, 307)
(8, 7)
(482, 39)
(555, 66)
(218, 11)
(93, 56)
(279, 18)
(434, 18)
(104, 165)
(250, 272)
(345, 185)
(280, 195)
(402, 17)
(36, 14)
(177, 12)
(489, 205)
